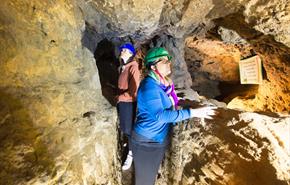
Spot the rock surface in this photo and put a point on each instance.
(234, 148)
(48, 82)
(272, 94)
(211, 62)
(57, 128)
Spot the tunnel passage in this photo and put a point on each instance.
(214, 68)
(107, 64)
(213, 63)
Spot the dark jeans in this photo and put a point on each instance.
(127, 114)
(147, 158)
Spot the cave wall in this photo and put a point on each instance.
(211, 62)
(273, 94)
(265, 25)
(235, 148)
(48, 82)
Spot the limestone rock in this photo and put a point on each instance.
(48, 81)
(123, 18)
(216, 58)
(186, 17)
(210, 63)
(234, 148)
(175, 47)
(230, 36)
(273, 54)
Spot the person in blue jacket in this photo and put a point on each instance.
(156, 111)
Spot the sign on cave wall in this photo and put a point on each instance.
(251, 70)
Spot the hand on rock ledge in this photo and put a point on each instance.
(203, 112)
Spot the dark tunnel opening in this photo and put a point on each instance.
(107, 64)
(230, 91)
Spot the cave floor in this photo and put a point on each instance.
(128, 176)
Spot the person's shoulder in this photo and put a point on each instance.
(134, 65)
(149, 82)
(148, 89)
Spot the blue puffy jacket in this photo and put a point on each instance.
(154, 111)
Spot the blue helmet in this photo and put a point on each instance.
(129, 47)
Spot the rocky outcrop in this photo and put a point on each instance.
(211, 62)
(234, 148)
(179, 18)
(175, 48)
(48, 82)
(271, 94)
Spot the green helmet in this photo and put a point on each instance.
(155, 53)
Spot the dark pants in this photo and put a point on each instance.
(127, 114)
(147, 158)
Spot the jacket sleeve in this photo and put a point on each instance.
(154, 106)
(134, 81)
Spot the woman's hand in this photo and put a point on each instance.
(203, 112)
